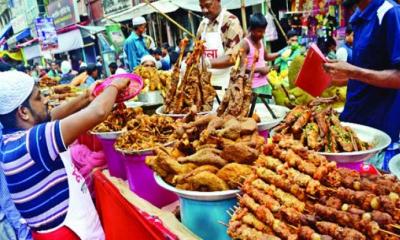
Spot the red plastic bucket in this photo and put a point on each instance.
(141, 181)
(114, 159)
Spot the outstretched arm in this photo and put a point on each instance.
(71, 106)
(84, 120)
(342, 71)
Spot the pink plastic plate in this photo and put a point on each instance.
(131, 91)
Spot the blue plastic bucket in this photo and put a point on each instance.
(202, 212)
(203, 217)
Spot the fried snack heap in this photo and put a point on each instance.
(153, 79)
(118, 119)
(320, 129)
(294, 193)
(213, 153)
(146, 132)
(195, 88)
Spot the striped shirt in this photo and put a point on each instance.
(35, 174)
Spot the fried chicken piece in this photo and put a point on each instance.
(248, 126)
(205, 181)
(230, 130)
(240, 153)
(180, 179)
(170, 164)
(206, 156)
(233, 174)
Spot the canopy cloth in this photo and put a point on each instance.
(167, 6)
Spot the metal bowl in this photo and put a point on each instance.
(133, 104)
(194, 195)
(107, 135)
(394, 166)
(160, 111)
(377, 138)
(152, 97)
(267, 121)
(148, 151)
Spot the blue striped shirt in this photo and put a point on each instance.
(35, 174)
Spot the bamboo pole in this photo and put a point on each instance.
(170, 19)
(244, 18)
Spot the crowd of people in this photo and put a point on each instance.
(41, 195)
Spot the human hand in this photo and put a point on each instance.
(339, 71)
(121, 83)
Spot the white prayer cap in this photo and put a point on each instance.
(65, 67)
(16, 87)
(138, 21)
(148, 58)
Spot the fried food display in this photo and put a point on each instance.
(117, 119)
(212, 154)
(154, 79)
(295, 193)
(47, 81)
(146, 132)
(195, 88)
(319, 129)
(237, 98)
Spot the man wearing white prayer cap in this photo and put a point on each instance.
(148, 61)
(135, 46)
(47, 190)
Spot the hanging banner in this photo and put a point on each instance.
(46, 33)
(63, 12)
(114, 6)
(115, 36)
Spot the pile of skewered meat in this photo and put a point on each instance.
(320, 130)
(195, 88)
(145, 132)
(295, 193)
(213, 153)
(117, 119)
(238, 97)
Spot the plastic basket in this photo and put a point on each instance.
(114, 159)
(141, 180)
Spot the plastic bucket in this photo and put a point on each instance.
(202, 212)
(141, 181)
(114, 159)
(351, 165)
(203, 217)
(264, 133)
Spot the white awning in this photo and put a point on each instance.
(166, 6)
(193, 5)
(92, 29)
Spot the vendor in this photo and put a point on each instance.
(221, 32)
(135, 46)
(253, 43)
(47, 190)
(373, 76)
(148, 61)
